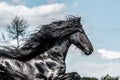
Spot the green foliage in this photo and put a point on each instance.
(3, 76)
(108, 77)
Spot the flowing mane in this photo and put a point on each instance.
(43, 39)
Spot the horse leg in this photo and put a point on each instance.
(70, 76)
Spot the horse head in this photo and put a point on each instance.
(70, 27)
(80, 38)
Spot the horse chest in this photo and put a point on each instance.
(49, 68)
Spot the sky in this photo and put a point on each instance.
(100, 19)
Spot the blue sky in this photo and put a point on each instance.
(100, 19)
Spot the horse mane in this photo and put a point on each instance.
(42, 40)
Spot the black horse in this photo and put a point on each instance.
(43, 55)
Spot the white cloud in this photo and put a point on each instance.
(36, 16)
(94, 69)
(74, 50)
(108, 54)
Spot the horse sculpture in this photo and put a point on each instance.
(43, 55)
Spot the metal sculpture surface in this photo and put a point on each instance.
(43, 55)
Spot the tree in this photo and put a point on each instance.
(108, 77)
(17, 28)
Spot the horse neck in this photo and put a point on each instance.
(59, 51)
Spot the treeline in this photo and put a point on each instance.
(107, 77)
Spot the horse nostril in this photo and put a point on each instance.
(89, 50)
